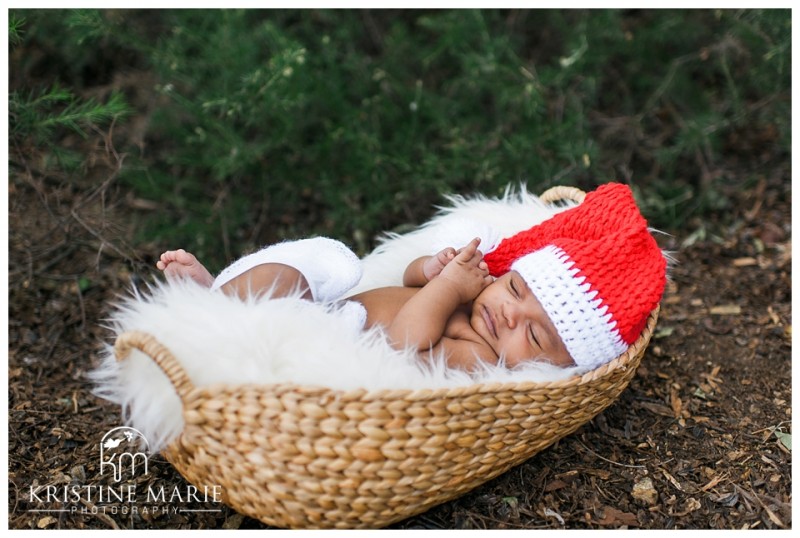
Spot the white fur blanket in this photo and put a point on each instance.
(221, 339)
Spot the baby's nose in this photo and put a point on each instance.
(510, 313)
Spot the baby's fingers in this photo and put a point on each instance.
(446, 255)
(467, 252)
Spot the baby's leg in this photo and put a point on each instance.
(281, 280)
(323, 266)
(275, 279)
(181, 264)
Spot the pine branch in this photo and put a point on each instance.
(39, 116)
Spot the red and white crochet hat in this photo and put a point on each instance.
(596, 270)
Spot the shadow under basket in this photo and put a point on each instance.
(308, 457)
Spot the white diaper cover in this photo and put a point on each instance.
(330, 268)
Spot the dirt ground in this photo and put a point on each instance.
(701, 438)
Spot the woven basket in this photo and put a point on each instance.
(307, 457)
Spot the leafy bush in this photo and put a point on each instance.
(41, 117)
(281, 123)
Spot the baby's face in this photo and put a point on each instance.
(512, 321)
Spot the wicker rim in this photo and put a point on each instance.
(562, 192)
(162, 356)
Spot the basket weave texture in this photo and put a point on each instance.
(310, 457)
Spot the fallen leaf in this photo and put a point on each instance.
(663, 332)
(553, 513)
(658, 409)
(691, 505)
(555, 485)
(603, 475)
(568, 475)
(643, 490)
(725, 499)
(726, 310)
(745, 262)
(735, 455)
(692, 238)
(45, 522)
(675, 402)
(773, 316)
(712, 383)
(785, 439)
(714, 481)
(612, 516)
(233, 522)
(672, 480)
(772, 516)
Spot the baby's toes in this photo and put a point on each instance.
(168, 257)
(184, 258)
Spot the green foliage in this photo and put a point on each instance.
(281, 123)
(42, 118)
(38, 116)
(15, 31)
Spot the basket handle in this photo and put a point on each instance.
(165, 360)
(562, 192)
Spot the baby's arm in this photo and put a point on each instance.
(425, 268)
(420, 323)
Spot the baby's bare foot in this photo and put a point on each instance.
(181, 264)
(434, 265)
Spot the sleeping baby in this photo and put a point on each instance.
(575, 289)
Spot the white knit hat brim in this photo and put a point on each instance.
(582, 321)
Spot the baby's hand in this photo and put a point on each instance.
(434, 265)
(468, 272)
